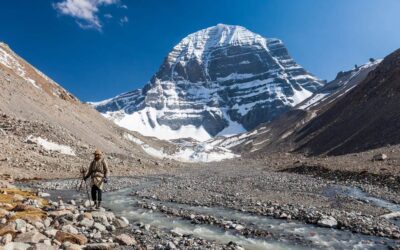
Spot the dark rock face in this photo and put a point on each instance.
(219, 76)
(366, 118)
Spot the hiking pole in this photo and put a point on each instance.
(83, 171)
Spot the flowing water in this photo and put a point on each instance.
(287, 235)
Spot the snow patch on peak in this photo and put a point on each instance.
(196, 44)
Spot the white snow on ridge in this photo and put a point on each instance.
(319, 97)
(314, 100)
(12, 63)
(52, 146)
(189, 152)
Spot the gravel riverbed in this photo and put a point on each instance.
(278, 195)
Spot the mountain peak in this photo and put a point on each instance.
(220, 80)
(219, 35)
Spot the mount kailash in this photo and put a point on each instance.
(222, 80)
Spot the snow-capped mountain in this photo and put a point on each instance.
(222, 80)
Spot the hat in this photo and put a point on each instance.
(97, 152)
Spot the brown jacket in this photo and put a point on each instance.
(98, 170)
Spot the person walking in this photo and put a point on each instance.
(98, 171)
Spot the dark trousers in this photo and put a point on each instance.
(96, 193)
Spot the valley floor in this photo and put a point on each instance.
(316, 193)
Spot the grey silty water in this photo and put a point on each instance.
(358, 194)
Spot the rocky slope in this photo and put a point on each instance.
(282, 134)
(221, 80)
(45, 131)
(366, 118)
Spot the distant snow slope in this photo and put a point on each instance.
(344, 82)
(222, 80)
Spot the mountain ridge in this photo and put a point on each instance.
(218, 81)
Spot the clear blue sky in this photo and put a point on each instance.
(97, 55)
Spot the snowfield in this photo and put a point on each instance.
(188, 151)
(52, 146)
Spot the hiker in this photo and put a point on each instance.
(98, 171)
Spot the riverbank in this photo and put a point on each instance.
(337, 205)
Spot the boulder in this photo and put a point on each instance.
(327, 221)
(99, 227)
(392, 215)
(70, 229)
(42, 246)
(103, 217)
(59, 213)
(30, 237)
(51, 232)
(119, 223)
(8, 229)
(126, 240)
(18, 197)
(71, 246)
(20, 225)
(73, 238)
(3, 212)
(380, 157)
(88, 203)
(17, 246)
(101, 246)
(86, 223)
(6, 239)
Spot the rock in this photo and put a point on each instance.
(103, 217)
(328, 221)
(119, 223)
(47, 222)
(88, 203)
(59, 213)
(3, 212)
(239, 227)
(43, 195)
(8, 229)
(30, 237)
(20, 225)
(42, 246)
(124, 219)
(101, 246)
(39, 225)
(73, 238)
(99, 227)
(6, 239)
(16, 246)
(97, 235)
(50, 232)
(69, 229)
(86, 223)
(380, 157)
(70, 246)
(176, 233)
(126, 240)
(391, 215)
(170, 246)
(18, 197)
